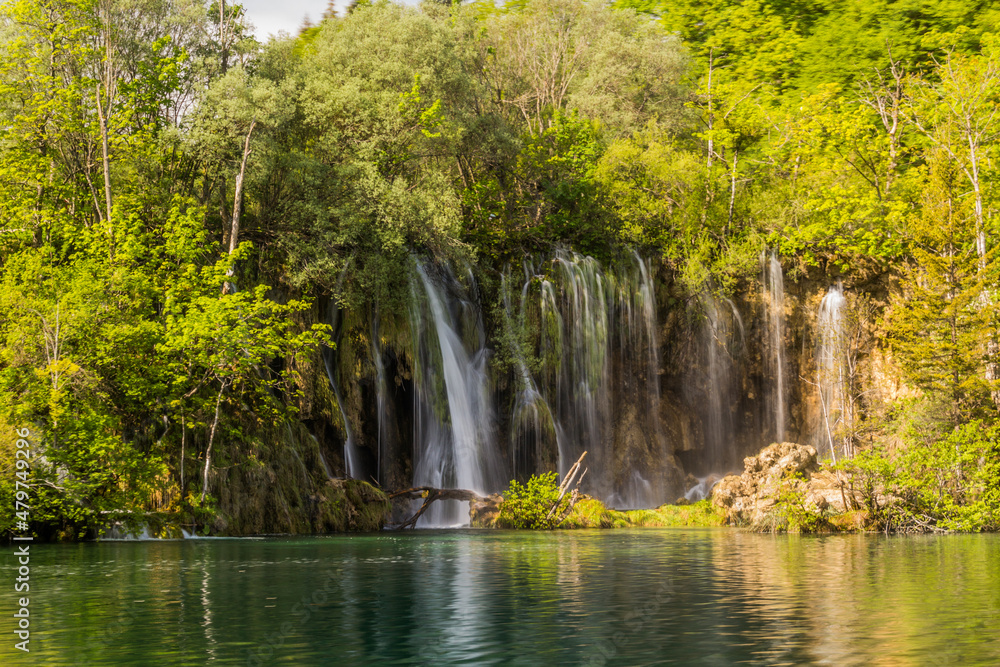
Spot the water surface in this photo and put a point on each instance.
(462, 597)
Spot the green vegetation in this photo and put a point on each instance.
(951, 483)
(527, 506)
(176, 198)
(940, 481)
(701, 514)
(533, 504)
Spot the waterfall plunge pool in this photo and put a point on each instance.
(466, 597)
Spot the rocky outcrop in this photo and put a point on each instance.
(783, 487)
(483, 512)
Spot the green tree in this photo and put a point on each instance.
(848, 184)
(940, 330)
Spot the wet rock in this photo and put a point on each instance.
(483, 513)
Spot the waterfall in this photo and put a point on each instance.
(453, 426)
(831, 375)
(352, 458)
(381, 390)
(583, 396)
(584, 374)
(639, 366)
(598, 383)
(531, 425)
(322, 460)
(774, 315)
(580, 369)
(719, 340)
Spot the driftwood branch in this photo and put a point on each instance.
(575, 496)
(564, 487)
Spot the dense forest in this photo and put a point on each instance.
(187, 214)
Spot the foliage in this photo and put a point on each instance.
(527, 505)
(592, 513)
(857, 139)
(941, 325)
(795, 514)
(700, 514)
(949, 483)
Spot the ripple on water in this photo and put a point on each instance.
(638, 597)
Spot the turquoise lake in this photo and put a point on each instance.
(465, 597)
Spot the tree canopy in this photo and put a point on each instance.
(175, 195)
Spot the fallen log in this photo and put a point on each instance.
(556, 515)
(430, 494)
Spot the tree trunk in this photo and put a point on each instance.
(183, 442)
(732, 192)
(234, 229)
(710, 119)
(102, 119)
(992, 345)
(223, 44)
(211, 439)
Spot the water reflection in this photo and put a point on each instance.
(638, 597)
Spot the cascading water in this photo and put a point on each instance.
(381, 391)
(352, 458)
(599, 375)
(720, 341)
(583, 373)
(774, 315)
(583, 402)
(531, 426)
(831, 375)
(453, 428)
(639, 365)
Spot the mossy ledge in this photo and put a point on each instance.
(592, 513)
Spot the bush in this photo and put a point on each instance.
(795, 514)
(943, 484)
(954, 483)
(526, 505)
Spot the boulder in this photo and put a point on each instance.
(483, 512)
(778, 470)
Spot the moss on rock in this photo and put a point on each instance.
(350, 505)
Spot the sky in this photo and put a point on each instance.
(271, 16)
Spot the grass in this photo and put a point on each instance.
(591, 513)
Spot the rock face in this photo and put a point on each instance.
(785, 472)
(349, 505)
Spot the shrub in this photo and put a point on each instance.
(950, 483)
(794, 513)
(954, 483)
(526, 505)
